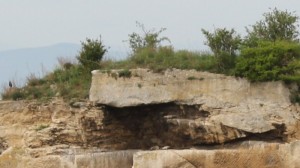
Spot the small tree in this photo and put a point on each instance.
(224, 44)
(149, 38)
(276, 25)
(91, 54)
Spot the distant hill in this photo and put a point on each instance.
(18, 64)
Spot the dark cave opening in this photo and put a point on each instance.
(147, 125)
(168, 124)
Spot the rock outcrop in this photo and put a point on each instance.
(57, 135)
(175, 118)
(201, 107)
(187, 87)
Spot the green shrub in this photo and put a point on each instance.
(17, 94)
(91, 54)
(200, 61)
(67, 65)
(34, 92)
(35, 82)
(290, 78)
(125, 73)
(270, 61)
(148, 38)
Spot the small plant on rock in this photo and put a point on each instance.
(191, 78)
(125, 73)
(41, 127)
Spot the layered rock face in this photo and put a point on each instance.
(193, 108)
(57, 135)
(171, 119)
(145, 87)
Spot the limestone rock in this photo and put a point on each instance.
(213, 90)
(151, 109)
(213, 108)
(259, 155)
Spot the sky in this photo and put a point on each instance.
(35, 23)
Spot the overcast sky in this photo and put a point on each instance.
(35, 23)
(32, 23)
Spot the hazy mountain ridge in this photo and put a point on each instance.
(37, 50)
(18, 63)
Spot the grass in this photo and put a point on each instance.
(41, 127)
(165, 57)
(68, 83)
(70, 80)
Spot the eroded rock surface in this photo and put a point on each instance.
(171, 119)
(56, 135)
(203, 108)
(183, 87)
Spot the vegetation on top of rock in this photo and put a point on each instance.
(91, 54)
(68, 80)
(224, 44)
(149, 38)
(276, 25)
(270, 51)
(269, 61)
(125, 73)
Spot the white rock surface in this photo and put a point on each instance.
(211, 90)
(231, 102)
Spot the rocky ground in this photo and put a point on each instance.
(172, 119)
